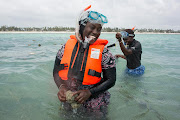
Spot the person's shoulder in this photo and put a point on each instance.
(108, 60)
(60, 52)
(105, 50)
(137, 41)
(63, 46)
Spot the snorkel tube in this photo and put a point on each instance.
(133, 28)
(78, 25)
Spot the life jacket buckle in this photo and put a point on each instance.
(94, 73)
(64, 66)
(91, 72)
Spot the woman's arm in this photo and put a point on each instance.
(109, 79)
(109, 72)
(59, 82)
(123, 48)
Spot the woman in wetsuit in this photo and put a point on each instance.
(85, 66)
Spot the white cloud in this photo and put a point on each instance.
(162, 14)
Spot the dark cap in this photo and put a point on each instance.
(131, 32)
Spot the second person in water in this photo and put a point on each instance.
(132, 51)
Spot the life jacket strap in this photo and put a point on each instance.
(63, 66)
(94, 73)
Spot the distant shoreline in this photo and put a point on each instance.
(35, 32)
(74, 32)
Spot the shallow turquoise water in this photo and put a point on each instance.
(28, 91)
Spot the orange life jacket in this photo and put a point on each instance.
(93, 69)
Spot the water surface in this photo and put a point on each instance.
(28, 91)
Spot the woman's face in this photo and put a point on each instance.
(92, 30)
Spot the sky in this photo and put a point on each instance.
(155, 14)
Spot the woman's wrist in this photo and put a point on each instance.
(120, 40)
(92, 91)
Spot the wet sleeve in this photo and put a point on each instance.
(109, 79)
(56, 69)
(109, 73)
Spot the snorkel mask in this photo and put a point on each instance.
(95, 17)
(125, 34)
(88, 16)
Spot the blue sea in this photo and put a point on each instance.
(28, 91)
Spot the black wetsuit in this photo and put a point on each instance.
(134, 59)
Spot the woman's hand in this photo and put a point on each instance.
(83, 95)
(62, 93)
